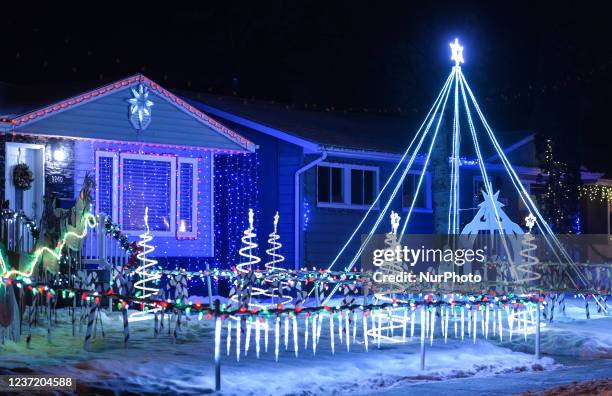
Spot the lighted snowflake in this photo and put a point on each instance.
(140, 108)
(457, 52)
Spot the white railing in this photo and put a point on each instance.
(100, 250)
(16, 232)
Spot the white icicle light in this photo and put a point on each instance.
(314, 335)
(247, 341)
(286, 332)
(295, 336)
(229, 336)
(276, 337)
(257, 337)
(364, 319)
(347, 327)
(306, 327)
(331, 333)
(238, 339)
(266, 333)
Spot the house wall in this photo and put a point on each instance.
(59, 175)
(277, 164)
(107, 118)
(328, 229)
(594, 216)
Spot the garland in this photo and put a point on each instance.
(6, 214)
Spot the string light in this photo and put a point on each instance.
(596, 192)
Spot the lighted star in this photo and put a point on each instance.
(140, 104)
(457, 52)
(530, 221)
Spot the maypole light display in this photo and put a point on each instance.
(421, 147)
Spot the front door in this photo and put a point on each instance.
(30, 200)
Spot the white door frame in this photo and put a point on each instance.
(39, 182)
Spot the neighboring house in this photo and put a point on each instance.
(322, 170)
(146, 148)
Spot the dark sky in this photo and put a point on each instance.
(546, 67)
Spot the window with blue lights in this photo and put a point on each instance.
(148, 181)
(106, 181)
(168, 185)
(187, 197)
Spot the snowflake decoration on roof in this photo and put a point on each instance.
(140, 108)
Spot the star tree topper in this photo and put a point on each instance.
(457, 52)
(140, 108)
(530, 221)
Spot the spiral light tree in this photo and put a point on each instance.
(245, 287)
(525, 320)
(386, 321)
(146, 285)
(277, 284)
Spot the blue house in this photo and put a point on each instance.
(322, 169)
(199, 162)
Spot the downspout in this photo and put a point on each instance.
(297, 211)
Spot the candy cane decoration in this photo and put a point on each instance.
(90, 322)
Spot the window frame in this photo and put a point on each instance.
(428, 193)
(346, 186)
(159, 158)
(115, 181)
(194, 207)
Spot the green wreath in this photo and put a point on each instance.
(22, 176)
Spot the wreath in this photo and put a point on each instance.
(23, 176)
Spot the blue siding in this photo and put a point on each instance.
(278, 162)
(330, 228)
(107, 118)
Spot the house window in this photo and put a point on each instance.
(346, 185)
(106, 180)
(362, 186)
(148, 181)
(169, 186)
(330, 186)
(410, 188)
(186, 211)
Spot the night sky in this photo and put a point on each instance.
(544, 67)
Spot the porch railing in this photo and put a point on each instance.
(18, 233)
(99, 249)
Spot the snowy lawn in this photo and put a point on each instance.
(158, 365)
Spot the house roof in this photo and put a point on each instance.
(19, 118)
(383, 133)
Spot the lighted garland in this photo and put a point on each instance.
(115, 231)
(7, 214)
(598, 192)
(88, 220)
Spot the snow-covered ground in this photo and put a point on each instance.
(157, 365)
